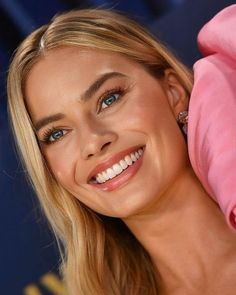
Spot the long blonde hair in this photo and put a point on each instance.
(100, 255)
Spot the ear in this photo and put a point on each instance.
(178, 97)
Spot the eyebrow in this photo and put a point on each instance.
(93, 88)
(47, 120)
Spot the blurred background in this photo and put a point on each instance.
(28, 255)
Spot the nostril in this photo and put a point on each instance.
(102, 148)
(105, 145)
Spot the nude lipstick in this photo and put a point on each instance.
(117, 170)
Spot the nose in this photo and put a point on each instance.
(95, 140)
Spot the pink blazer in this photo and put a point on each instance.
(212, 112)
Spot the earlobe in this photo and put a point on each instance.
(176, 93)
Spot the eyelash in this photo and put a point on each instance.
(120, 91)
(48, 133)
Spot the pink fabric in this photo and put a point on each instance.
(212, 112)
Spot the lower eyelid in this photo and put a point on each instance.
(119, 92)
(47, 134)
(117, 98)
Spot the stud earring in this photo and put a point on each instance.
(183, 121)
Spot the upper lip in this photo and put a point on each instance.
(111, 161)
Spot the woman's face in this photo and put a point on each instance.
(107, 128)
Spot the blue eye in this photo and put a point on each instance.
(53, 135)
(109, 100)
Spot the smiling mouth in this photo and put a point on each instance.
(118, 168)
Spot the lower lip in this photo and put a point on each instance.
(121, 179)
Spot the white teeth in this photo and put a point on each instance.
(133, 158)
(128, 160)
(99, 178)
(104, 174)
(110, 173)
(123, 164)
(140, 152)
(118, 168)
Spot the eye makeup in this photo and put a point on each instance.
(108, 99)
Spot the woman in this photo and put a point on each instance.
(96, 106)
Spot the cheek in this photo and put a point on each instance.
(155, 117)
(167, 146)
(149, 112)
(136, 115)
(62, 166)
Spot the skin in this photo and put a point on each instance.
(182, 224)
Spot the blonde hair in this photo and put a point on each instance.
(100, 255)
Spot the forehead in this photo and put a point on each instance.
(69, 71)
(74, 62)
(68, 66)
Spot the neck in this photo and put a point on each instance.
(181, 230)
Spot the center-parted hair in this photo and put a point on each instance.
(99, 254)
